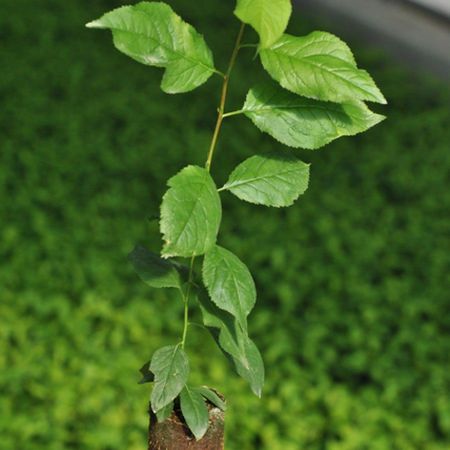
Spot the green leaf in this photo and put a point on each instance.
(234, 341)
(210, 395)
(270, 180)
(163, 414)
(152, 34)
(229, 283)
(171, 368)
(304, 123)
(147, 375)
(195, 411)
(190, 213)
(153, 270)
(268, 17)
(319, 66)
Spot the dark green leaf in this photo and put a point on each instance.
(229, 283)
(195, 411)
(234, 342)
(153, 270)
(319, 66)
(270, 180)
(163, 414)
(147, 375)
(210, 395)
(171, 368)
(152, 34)
(304, 123)
(190, 213)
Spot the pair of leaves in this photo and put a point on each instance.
(171, 369)
(195, 410)
(321, 68)
(318, 66)
(191, 210)
(152, 34)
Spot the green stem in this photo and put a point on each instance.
(220, 116)
(186, 302)
(233, 113)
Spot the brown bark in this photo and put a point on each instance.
(173, 434)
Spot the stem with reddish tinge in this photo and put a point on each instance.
(223, 98)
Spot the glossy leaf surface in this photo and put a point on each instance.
(270, 180)
(319, 66)
(300, 122)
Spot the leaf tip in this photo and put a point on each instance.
(94, 24)
(155, 410)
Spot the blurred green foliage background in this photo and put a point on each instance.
(352, 317)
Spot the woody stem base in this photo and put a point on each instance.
(173, 433)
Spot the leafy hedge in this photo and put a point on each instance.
(355, 273)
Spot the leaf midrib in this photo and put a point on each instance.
(238, 292)
(193, 404)
(266, 109)
(325, 68)
(195, 203)
(250, 180)
(171, 363)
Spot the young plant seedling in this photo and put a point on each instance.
(317, 94)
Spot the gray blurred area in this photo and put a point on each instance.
(416, 32)
(438, 6)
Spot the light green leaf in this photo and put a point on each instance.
(153, 270)
(190, 213)
(195, 411)
(163, 414)
(210, 395)
(268, 17)
(152, 34)
(304, 123)
(270, 180)
(319, 66)
(229, 283)
(171, 368)
(235, 343)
